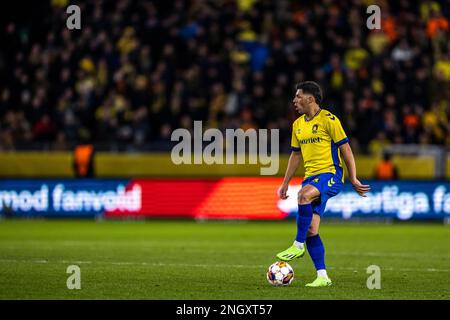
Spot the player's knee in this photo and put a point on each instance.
(305, 197)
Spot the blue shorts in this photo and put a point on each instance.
(328, 185)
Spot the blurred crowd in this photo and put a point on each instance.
(137, 70)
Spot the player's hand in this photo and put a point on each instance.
(282, 191)
(362, 189)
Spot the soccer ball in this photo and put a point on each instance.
(280, 274)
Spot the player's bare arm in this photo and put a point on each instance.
(349, 160)
(293, 164)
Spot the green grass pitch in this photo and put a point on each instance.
(216, 260)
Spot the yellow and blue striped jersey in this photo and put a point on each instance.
(318, 140)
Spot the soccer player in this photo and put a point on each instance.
(318, 137)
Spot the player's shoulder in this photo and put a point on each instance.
(298, 120)
(328, 116)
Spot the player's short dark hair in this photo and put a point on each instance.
(311, 88)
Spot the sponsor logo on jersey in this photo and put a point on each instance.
(309, 140)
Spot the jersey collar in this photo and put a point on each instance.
(307, 120)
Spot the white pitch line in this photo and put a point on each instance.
(131, 263)
(387, 254)
(147, 246)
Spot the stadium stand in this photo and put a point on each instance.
(138, 70)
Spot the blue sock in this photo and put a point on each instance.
(316, 251)
(304, 218)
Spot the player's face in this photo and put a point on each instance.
(301, 101)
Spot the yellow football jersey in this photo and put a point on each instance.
(318, 140)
